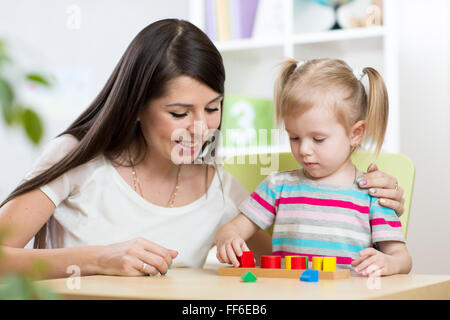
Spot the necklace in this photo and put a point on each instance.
(137, 185)
(175, 189)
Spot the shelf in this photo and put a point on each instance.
(304, 38)
(248, 44)
(339, 35)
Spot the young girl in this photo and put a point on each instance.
(319, 210)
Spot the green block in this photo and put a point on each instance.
(248, 277)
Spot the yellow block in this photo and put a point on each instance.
(329, 264)
(287, 262)
(317, 263)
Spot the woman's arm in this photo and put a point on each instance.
(57, 261)
(22, 217)
(384, 187)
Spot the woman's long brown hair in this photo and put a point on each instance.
(160, 52)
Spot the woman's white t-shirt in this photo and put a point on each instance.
(95, 206)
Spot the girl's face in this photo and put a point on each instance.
(319, 143)
(177, 125)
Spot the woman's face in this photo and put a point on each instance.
(176, 125)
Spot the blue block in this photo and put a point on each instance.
(310, 275)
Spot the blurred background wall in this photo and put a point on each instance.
(79, 43)
(423, 44)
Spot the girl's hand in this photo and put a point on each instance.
(129, 258)
(230, 246)
(230, 239)
(373, 263)
(384, 187)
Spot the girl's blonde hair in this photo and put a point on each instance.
(331, 83)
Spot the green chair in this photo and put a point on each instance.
(251, 170)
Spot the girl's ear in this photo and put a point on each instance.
(357, 133)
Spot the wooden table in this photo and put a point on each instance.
(205, 284)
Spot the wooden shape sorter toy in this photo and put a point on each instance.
(271, 268)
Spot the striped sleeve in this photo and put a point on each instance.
(261, 205)
(384, 223)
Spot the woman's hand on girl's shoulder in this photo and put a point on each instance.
(385, 187)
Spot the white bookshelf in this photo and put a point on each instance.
(376, 32)
(251, 64)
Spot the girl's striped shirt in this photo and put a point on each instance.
(314, 219)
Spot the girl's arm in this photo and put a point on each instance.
(22, 217)
(261, 244)
(231, 237)
(393, 258)
(401, 259)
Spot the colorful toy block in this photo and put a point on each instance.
(287, 262)
(271, 268)
(270, 262)
(298, 262)
(248, 277)
(246, 260)
(317, 263)
(310, 275)
(329, 263)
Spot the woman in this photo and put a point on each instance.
(121, 192)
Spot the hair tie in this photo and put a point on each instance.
(359, 74)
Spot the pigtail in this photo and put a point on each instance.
(377, 110)
(287, 69)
